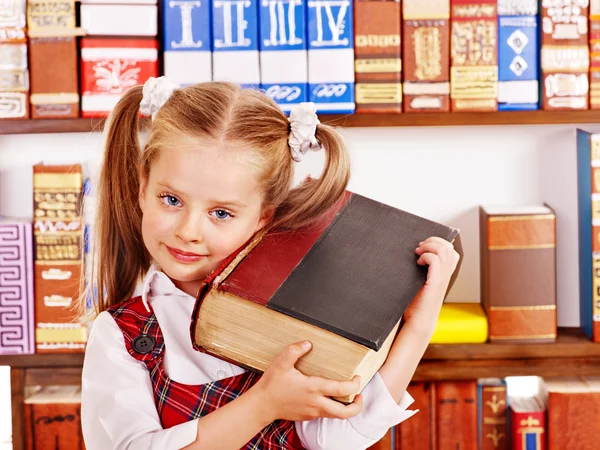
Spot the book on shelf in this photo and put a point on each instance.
(343, 283)
(461, 323)
(528, 404)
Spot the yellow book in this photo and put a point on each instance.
(461, 323)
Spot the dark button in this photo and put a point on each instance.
(143, 344)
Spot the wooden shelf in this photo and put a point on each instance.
(348, 120)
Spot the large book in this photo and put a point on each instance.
(343, 283)
(456, 414)
(588, 210)
(419, 432)
(426, 55)
(518, 272)
(565, 55)
(594, 33)
(187, 41)
(16, 287)
(474, 55)
(58, 233)
(53, 418)
(573, 413)
(518, 49)
(14, 71)
(461, 323)
(283, 51)
(492, 414)
(378, 49)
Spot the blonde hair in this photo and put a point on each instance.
(216, 111)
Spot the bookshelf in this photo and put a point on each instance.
(30, 126)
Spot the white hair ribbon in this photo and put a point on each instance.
(303, 126)
(156, 92)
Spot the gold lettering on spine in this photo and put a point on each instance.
(428, 56)
(377, 40)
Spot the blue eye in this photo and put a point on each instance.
(170, 200)
(221, 214)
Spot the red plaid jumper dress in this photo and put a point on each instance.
(178, 403)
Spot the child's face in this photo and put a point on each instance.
(199, 205)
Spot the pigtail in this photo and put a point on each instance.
(120, 258)
(312, 198)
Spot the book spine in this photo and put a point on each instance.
(426, 55)
(528, 430)
(378, 63)
(518, 62)
(57, 269)
(14, 70)
(594, 54)
(187, 41)
(283, 51)
(519, 276)
(235, 42)
(493, 412)
(474, 56)
(588, 198)
(565, 55)
(418, 433)
(570, 415)
(54, 92)
(110, 19)
(53, 426)
(109, 67)
(16, 289)
(331, 55)
(456, 415)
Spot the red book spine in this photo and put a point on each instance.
(528, 430)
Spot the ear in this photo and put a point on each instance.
(265, 219)
(142, 196)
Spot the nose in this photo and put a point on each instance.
(189, 229)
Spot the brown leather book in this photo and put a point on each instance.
(58, 237)
(493, 406)
(474, 55)
(565, 55)
(53, 419)
(456, 415)
(594, 54)
(426, 55)
(377, 52)
(518, 272)
(418, 432)
(343, 283)
(52, 33)
(573, 413)
(14, 72)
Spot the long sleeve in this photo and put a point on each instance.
(117, 405)
(380, 412)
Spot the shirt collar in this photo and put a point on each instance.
(157, 283)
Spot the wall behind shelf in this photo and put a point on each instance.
(442, 173)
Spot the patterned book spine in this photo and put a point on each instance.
(588, 198)
(109, 67)
(187, 41)
(426, 55)
(331, 55)
(53, 37)
(493, 414)
(14, 71)
(518, 62)
(594, 54)
(16, 288)
(474, 55)
(235, 42)
(119, 17)
(565, 58)
(283, 51)
(378, 49)
(58, 236)
(528, 430)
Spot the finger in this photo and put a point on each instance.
(332, 388)
(336, 410)
(432, 247)
(292, 353)
(439, 240)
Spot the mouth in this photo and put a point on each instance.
(185, 257)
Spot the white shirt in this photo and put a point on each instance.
(118, 409)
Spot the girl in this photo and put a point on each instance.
(217, 167)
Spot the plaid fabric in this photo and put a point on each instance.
(178, 403)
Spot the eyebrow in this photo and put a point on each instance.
(213, 201)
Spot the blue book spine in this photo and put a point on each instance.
(235, 42)
(518, 63)
(283, 51)
(331, 55)
(584, 200)
(187, 42)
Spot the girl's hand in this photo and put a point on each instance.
(288, 394)
(440, 256)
